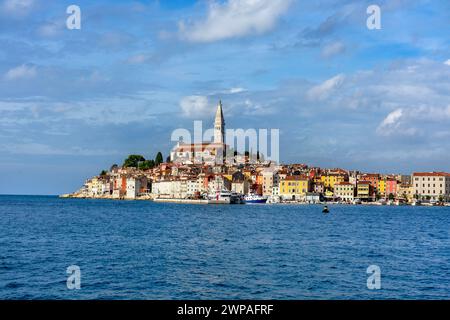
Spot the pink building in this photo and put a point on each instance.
(391, 187)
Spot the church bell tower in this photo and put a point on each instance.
(219, 125)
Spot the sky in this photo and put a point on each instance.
(74, 102)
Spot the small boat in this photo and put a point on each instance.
(325, 210)
(253, 198)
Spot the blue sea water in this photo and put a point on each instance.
(145, 250)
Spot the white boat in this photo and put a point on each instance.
(225, 196)
(254, 198)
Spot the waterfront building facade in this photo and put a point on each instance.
(364, 190)
(344, 191)
(294, 187)
(431, 186)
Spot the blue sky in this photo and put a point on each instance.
(73, 102)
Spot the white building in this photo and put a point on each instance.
(431, 185)
(173, 189)
(133, 186)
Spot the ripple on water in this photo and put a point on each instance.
(144, 250)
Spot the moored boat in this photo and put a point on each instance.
(254, 198)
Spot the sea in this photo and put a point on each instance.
(53, 248)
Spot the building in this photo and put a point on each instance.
(364, 190)
(330, 179)
(391, 187)
(176, 189)
(344, 191)
(431, 186)
(210, 152)
(269, 180)
(294, 187)
(382, 188)
(405, 192)
(373, 179)
(239, 183)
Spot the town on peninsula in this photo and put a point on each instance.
(193, 174)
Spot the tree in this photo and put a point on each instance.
(168, 159)
(113, 167)
(133, 161)
(391, 196)
(103, 173)
(441, 199)
(159, 159)
(146, 165)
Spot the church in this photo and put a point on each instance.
(206, 152)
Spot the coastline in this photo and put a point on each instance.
(219, 202)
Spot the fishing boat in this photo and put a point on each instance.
(254, 198)
(326, 210)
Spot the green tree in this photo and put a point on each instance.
(159, 159)
(103, 173)
(133, 160)
(146, 165)
(441, 199)
(391, 196)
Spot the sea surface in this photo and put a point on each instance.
(145, 250)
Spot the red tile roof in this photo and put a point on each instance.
(431, 174)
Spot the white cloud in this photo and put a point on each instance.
(236, 90)
(196, 106)
(325, 89)
(392, 118)
(447, 62)
(21, 72)
(17, 7)
(235, 18)
(333, 49)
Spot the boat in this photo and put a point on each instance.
(325, 209)
(254, 198)
(447, 204)
(225, 197)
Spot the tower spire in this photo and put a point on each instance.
(219, 125)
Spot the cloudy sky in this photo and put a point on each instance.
(73, 102)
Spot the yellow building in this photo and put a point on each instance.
(329, 180)
(294, 187)
(382, 187)
(405, 192)
(364, 190)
